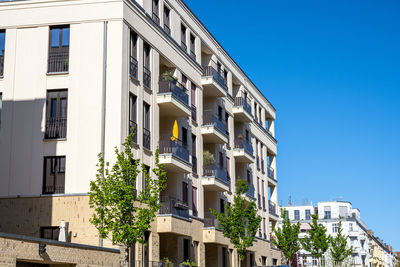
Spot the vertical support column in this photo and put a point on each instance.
(154, 248)
(201, 254)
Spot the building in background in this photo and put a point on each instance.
(76, 77)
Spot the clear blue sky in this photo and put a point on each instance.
(332, 70)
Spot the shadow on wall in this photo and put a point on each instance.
(25, 206)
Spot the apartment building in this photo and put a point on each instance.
(78, 76)
(382, 255)
(330, 213)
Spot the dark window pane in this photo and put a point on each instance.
(65, 37)
(2, 42)
(63, 108)
(55, 37)
(61, 165)
(53, 113)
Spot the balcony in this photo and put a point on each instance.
(214, 84)
(133, 67)
(56, 128)
(173, 216)
(147, 77)
(242, 110)
(175, 156)
(251, 192)
(272, 209)
(271, 173)
(173, 99)
(213, 129)
(173, 206)
(1, 65)
(243, 151)
(58, 62)
(215, 179)
(211, 234)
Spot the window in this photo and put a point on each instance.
(155, 11)
(54, 175)
(194, 158)
(185, 192)
(327, 212)
(263, 194)
(1, 106)
(260, 112)
(335, 227)
(166, 20)
(193, 102)
(146, 125)
(184, 81)
(132, 117)
(56, 114)
(308, 214)
(227, 168)
(263, 260)
(297, 215)
(350, 227)
(133, 63)
(186, 249)
(194, 201)
(183, 37)
(265, 229)
(221, 160)
(224, 257)
(221, 205)
(58, 60)
(314, 261)
(192, 46)
(147, 168)
(146, 66)
(184, 137)
(50, 232)
(220, 113)
(258, 192)
(2, 49)
(287, 214)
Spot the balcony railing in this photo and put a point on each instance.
(184, 46)
(140, 263)
(146, 138)
(56, 128)
(133, 67)
(2, 65)
(251, 191)
(167, 29)
(272, 207)
(156, 18)
(262, 166)
(194, 164)
(174, 206)
(147, 77)
(176, 89)
(217, 172)
(210, 220)
(209, 118)
(176, 148)
(271, 173)
(243, 144)
(58, 62)
(54, 189)
(240, 101)
(133, 130)
(194, 113)
(209, 71)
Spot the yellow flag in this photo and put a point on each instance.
(175, 132)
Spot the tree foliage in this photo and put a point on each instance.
(317, 241)
(240, 222)
(287, 238)
(120, 213)
(339, 250)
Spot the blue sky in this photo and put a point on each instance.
(332, 70)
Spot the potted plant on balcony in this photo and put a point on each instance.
(167, 76)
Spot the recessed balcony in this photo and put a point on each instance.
(173, 99)
(173, 216)
(242, 110)
(243, 151)
(215, 178)
(251, 192)
(213, 129)
(213, 83)
(273, 209)
(271, 173)
(175, 156)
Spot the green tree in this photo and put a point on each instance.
(287, 237)
(240, 222)
(120, 213)
(339, 250)
(317, 241)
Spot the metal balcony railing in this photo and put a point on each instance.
(271, 173)
(194, 164)
(56, 128)
(251, 191)
(177, 90)
(156, 18)
(243, 144)
(209, 71)
(133, 130)
(240, 101)
(272, 207)
(174, 206)
(133, 67)
(146, 138)
(2, 65)
(176, 148)
(217, 172)
(210, 220)
(167, 29)
(54, 189)
(194, 113)
(147, 77)
(209, 118)
(58, 62)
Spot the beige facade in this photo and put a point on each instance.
(73, 68)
